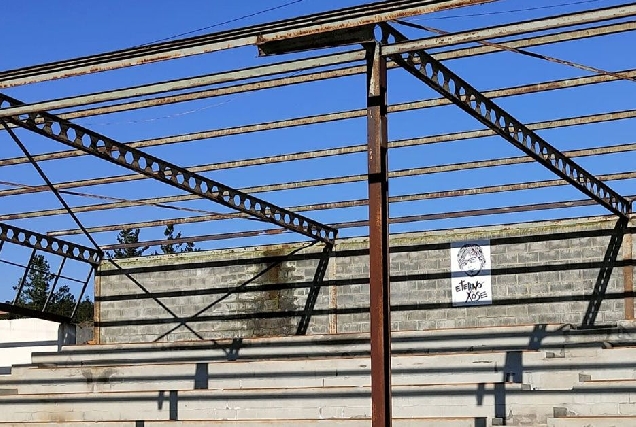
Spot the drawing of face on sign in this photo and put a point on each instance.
(470, 259)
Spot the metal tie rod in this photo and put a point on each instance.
(441, 79)
(93, 143)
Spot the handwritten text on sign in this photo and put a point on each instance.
(470, 273)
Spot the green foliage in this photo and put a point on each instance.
(37, 286)
(175, 248)
(126, 236)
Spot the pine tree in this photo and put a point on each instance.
(175, 248)
(126, 236)
(37, 286)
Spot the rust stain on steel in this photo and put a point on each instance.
(429, 103)
(351, 203)
(434, 139)
(590, 32)
(379, 263)
(267, 84)
(628, 275)
(366, 20)
(215, 41)
(396, 220)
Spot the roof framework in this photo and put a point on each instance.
(55, 119)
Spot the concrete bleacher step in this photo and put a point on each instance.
(471, 368)
(362, 422)
(509, 338)
(465, 400)
(528, 367)
(613, 421)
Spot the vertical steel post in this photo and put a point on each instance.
(379, 238)
(54, 285)
(24, 276)
(81, 295)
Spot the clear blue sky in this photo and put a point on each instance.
(38, 32)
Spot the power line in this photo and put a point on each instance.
(229, 21)
(503, 12)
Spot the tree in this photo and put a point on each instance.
(175, 248)
(37, 286)
(125, 236)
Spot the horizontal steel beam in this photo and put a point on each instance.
(240, 87)
(436, 75)
(447, 55)
(475, 35)
(49, 244)
(305, 25)
(188, 83)
(490, 189)
(433, 139)
(115, 152)
(506, 30)
(363, 223)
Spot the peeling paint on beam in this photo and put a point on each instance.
(309, 24)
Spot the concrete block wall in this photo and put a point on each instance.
(568, 271)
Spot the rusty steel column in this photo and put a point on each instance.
(379, 238)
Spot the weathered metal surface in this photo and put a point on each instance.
(353, 203)
(49, 244)
(379, 261)
(323, 118)
(363, 223)
(25, 274)
(433, 139)
(237, 76)
(115, 152)
(462, 94)
(334, 38)
(305, 25)
(342, 72)
(506, 30)
(187, 83)
(48, 182)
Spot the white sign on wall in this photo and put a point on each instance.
(470, 273)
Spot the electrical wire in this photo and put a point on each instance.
(503, 12)
(229, 21)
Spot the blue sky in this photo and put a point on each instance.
(38, 32)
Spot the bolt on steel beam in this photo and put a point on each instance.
(41, 242)
(441, 79)
(93, 143)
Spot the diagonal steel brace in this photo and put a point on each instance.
(41, 242)
(91, 142)
(432, 72)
